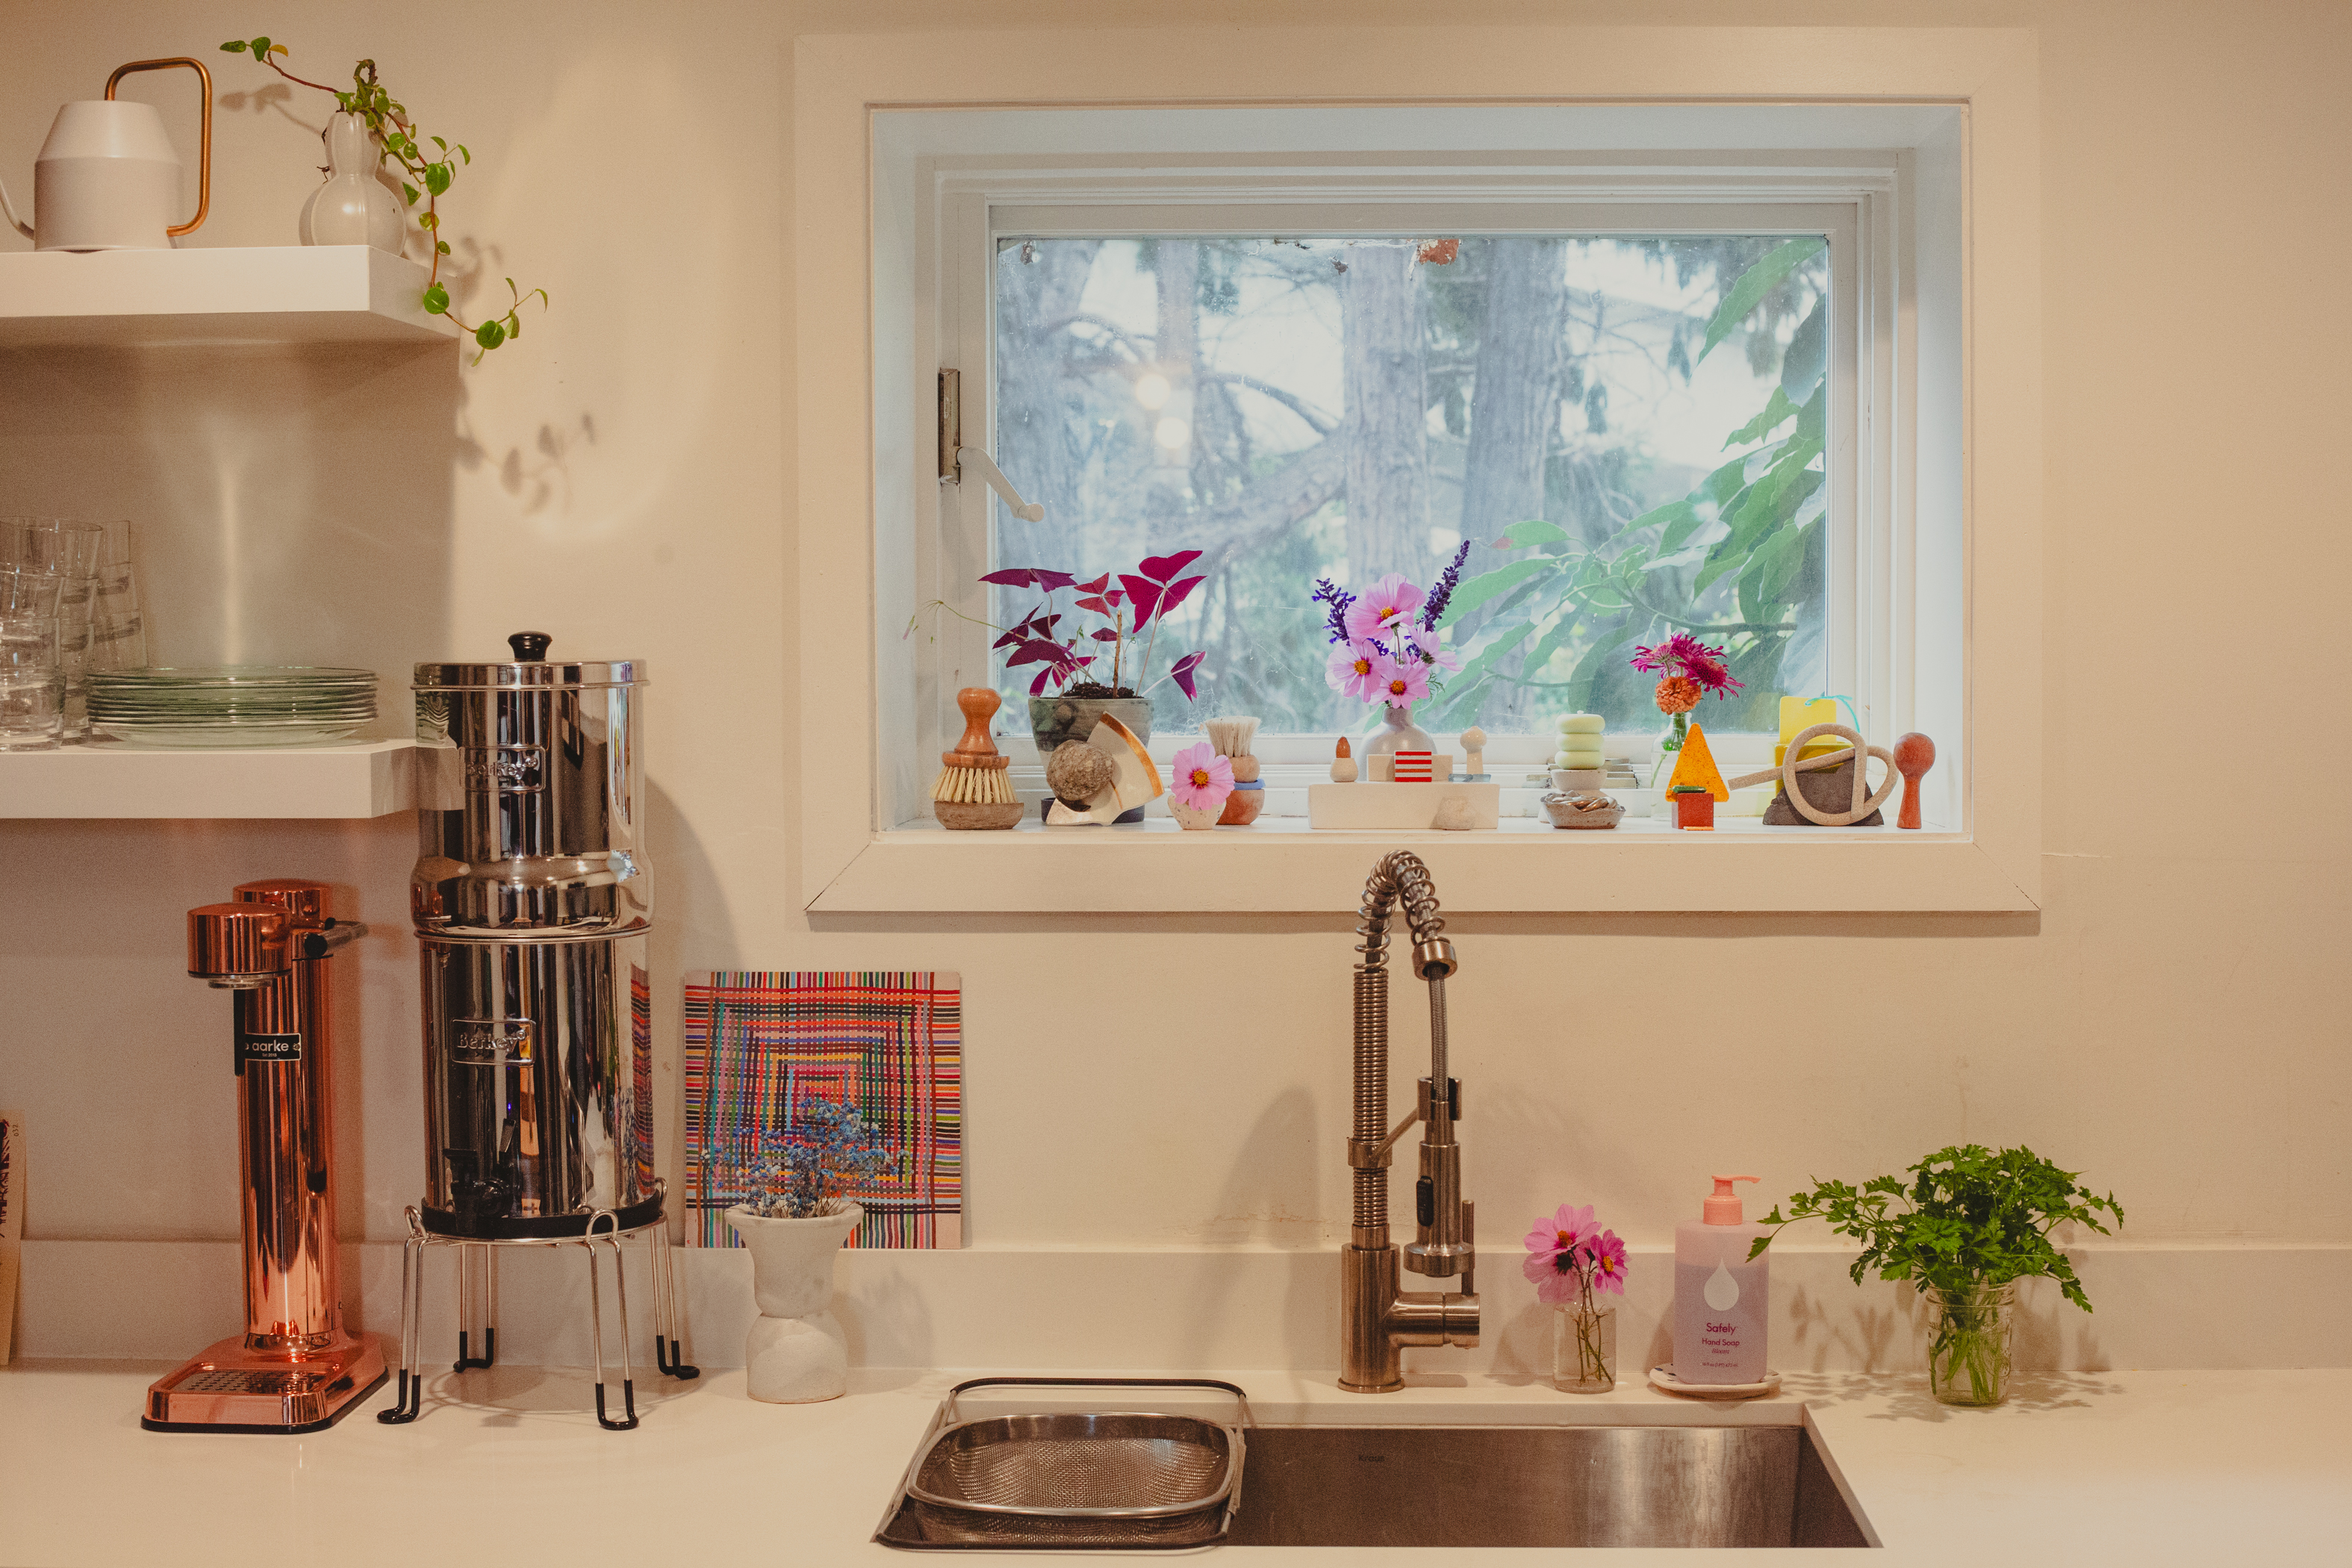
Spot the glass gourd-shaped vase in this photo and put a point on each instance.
(352, 209)
(1397, 733)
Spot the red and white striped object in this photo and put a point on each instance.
(1412, 767)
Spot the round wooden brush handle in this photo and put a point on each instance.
(978, 704)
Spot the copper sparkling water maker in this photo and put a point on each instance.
(296, 1367)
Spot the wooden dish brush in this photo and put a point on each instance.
(974, 791)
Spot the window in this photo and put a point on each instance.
(910, 193)
(1627, 432)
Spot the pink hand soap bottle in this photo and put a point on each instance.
(1721, 1300)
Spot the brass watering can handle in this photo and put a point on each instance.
(204, 160)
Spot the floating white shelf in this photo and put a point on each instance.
(264, 294)
(354, 779)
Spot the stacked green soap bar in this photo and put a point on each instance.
(1580, 742)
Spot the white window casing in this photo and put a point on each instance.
(1904, 186)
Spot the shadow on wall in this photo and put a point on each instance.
(685, 879)
(1271, 1194)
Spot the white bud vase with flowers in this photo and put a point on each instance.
(1385, 642)
(795, 1213)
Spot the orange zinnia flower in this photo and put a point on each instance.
(1677, 694)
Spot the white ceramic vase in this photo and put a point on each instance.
(352, 209)
(797, 1352)
(1192, 819)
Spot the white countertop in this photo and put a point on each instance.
(2212, 1467)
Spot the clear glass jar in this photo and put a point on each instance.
(1584, 1349)
(1968, 1342)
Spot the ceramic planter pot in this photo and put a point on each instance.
(1191, 818)
(1055, 720)
(797, 1352)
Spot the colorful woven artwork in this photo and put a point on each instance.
(887, 1043)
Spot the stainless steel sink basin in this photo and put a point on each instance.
(1541, 1485)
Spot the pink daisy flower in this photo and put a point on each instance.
(1397, 682)
(1382, 607)
(1354, 669)
(1203, 779)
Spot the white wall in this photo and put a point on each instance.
(2172, 1024)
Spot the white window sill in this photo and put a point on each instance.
(1279, 865)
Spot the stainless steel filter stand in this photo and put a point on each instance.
(477, 1306)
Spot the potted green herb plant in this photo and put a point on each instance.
(1968, 1227)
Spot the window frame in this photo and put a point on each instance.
(863, 380)
(982, 201)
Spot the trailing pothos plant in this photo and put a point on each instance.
(1969, 1218)
(426, 178)
(1754, 526)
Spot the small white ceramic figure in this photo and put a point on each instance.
(1343, 766)
(796, 1353)
(1474, 752)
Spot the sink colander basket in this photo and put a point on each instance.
(1122, 1480)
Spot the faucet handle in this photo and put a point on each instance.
(1470, 1240)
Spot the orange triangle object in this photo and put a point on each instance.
(1694, 765)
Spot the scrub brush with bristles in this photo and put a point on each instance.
(1231, 737)
(974, 789)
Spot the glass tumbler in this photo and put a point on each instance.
(32, 687)
(1584, 1349)
(1968, 1347)
(77, 599)
(60, 546)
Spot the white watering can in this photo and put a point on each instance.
(107, 179)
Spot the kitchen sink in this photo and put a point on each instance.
(1441, 1487)
(1054, 1468)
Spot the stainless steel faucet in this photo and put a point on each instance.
(1377, 1320)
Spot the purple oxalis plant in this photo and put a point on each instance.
(1134, 609)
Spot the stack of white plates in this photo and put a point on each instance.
(231, 705)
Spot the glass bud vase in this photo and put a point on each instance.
(1968, 1342)
(1584, 1349)
(1398, 732)
(1670, 746)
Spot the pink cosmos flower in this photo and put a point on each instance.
(1382, 607)
(1398, 682)
(1431, 649)
(1202, 778)
(1608, 1256)
(1556, 1249)
(1354, 669)
(1563, 1232)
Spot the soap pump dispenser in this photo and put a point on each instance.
(1722, 1300)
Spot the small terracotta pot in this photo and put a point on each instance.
(1242, 808)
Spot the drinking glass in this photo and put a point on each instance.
(77, 602)
(32, 687)
(61, 546)
(117, 641)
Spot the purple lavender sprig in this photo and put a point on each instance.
(1338, 598)
(1433, 609)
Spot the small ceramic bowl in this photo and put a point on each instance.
(1569, 780)
(1563, 815)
